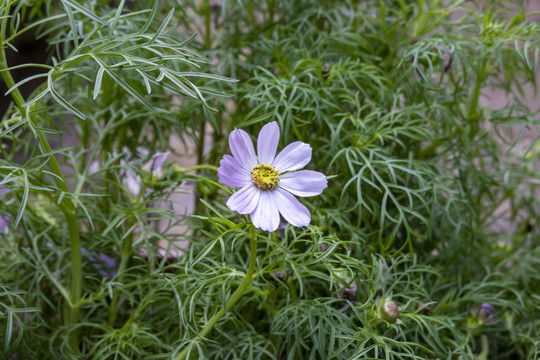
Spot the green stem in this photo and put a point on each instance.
(208, 24)
(124, 259)
(485, 348)
(292, 290)
(199, 167)
(206, 7)
(76, 277)
(232, 301)
(472, 117)
(65, 205)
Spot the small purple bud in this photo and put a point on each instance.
(280, 274)
(485, 314)
(448, 64)
(447, 55)
(154, 167)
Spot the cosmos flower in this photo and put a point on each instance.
(268, 182)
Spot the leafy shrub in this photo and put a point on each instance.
(424, 245)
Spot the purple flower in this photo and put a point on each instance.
(268, 183)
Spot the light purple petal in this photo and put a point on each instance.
(232, 174)
(245, 200)
(304, 183)
(266, 214)
(242, 149)
(156, 162)
(159, 160)
(291, 209)
(295, 156)
(3, 192)
(267, 143)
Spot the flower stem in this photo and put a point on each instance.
(199, 167)
(485, 348)
(472, 116)
(65, 205)
(232, 301)
(124, 259)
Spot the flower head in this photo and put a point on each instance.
(268, 181)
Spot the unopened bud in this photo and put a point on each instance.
(388, 311)
(154, 167)
(281, 275)
(276, 277)
(423, 307)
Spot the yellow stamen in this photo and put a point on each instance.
(265, 176)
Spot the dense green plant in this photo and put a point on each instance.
(431, 206)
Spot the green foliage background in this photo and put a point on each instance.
(387, 93)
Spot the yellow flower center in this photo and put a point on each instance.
(265, 176)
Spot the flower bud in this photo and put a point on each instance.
(388, 311)
(276, 277)
(281, 275)
(483, 315)
(154, 167)
(423, 307)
